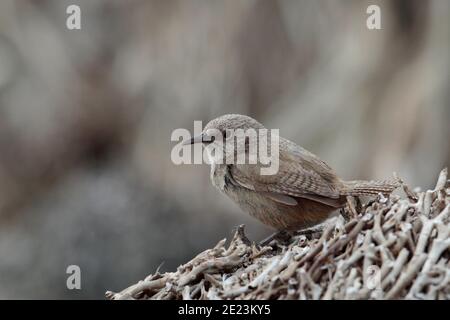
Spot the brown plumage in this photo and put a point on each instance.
(304, 191)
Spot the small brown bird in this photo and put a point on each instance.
(302, 193)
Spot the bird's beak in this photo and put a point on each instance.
(193, 140)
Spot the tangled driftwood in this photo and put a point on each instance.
(394, 248)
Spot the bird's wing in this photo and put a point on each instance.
(300, 174)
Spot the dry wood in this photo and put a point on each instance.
(392, 248)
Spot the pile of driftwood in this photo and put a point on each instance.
(392, 248)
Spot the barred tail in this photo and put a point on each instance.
(362, 188)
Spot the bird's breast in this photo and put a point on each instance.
(277, 215)
(218, 175)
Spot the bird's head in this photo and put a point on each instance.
(226, 131)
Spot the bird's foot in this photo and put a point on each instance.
(281, 236)
(310, 233)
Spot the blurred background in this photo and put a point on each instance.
(86, 118)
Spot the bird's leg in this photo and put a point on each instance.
(281, 235)
(345, 214)
(359, 206)
(351, 213)
(309, 232)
